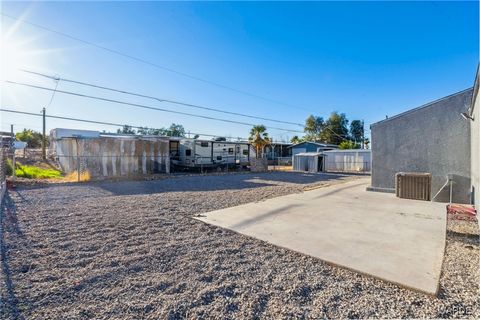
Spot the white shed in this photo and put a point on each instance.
(308, 161)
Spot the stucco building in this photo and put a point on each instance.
(433, 138)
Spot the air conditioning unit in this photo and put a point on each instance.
(413, 185)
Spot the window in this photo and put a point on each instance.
(245, 152)
(204, 144)
(230, 150)
(188, 152)
(219, 157)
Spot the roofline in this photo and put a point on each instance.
(476, 86)
(420, 107)
(349, 150)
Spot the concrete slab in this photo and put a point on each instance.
(398, 240)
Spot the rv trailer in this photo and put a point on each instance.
(208, 154)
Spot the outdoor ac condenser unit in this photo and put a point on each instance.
(413, 185)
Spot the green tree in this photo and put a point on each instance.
(296, 139)
(31, 137)
(335, 129)
(348, 144)
(176, 130)
(313, 128)
(126, 130)
(259, 139)
(356, 130)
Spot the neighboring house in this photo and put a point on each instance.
(433, 138)
(308, 146)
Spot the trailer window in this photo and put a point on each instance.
(219, 157)
(230, 150)
(245, 152)
(204, 144)
(188, 152)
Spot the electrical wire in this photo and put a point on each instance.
(145, 106)
(152, 64)
(3, 109)
(155, 98)
(57, 81)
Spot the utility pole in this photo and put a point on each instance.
(363, 134)
(44, 138)
(13, 156)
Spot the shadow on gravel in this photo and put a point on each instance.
(216, 182)
(8, 221)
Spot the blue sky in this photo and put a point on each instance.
(366, 59)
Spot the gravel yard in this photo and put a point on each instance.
(132, 250)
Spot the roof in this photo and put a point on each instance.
(309, 154)
(420, 107)
(347, 150)
(318, 144)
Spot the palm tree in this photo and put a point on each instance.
(259, 139)
(366, 142)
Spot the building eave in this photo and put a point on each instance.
(420, 107)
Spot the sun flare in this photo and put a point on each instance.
(16, 55)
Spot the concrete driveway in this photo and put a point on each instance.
(397, 240)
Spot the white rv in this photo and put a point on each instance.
(205, 154)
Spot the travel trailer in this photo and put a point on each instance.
(208, 154)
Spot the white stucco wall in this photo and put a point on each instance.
(475, 145)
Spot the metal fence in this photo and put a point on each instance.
(348, 166)
(4, 154)
(101, 166)
(284, 164)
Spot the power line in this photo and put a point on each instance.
(96, 122)
(109, 123)
(145, 106)
(57, 81)
(152, 64)
(155, 98)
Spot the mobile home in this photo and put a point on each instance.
(205, 154)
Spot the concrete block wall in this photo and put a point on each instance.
(433, 138)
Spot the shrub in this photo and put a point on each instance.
(32, 172)
(8, 168)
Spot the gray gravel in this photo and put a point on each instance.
(132, 250)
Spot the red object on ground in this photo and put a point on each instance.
(461, 211)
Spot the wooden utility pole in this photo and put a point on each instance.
(44, 138)
(13, 156)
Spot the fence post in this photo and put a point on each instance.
(78, 161)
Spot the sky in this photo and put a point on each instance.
(276, 60)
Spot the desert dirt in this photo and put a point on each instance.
(131, 249)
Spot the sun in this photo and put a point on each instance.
(16, 55)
